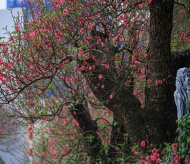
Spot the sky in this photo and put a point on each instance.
(7, 20)
(3, 4)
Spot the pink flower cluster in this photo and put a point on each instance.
(176, 158)
(183, 37)
(154, 157)
(158, 82)
(149, 2)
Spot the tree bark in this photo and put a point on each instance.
(89, 128)
(124, 104)
(161, 113)
(118, 142)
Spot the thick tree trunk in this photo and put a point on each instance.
(160, 107)
(124, 104)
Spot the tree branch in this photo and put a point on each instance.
(114, 94)
(89, 128)
(124, 104)
(183, 5)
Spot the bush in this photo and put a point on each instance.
(184, 136)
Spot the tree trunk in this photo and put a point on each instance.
(160, 107)
(124, 104)
(118, 141)
(89, 128)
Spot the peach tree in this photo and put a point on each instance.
(107, 67)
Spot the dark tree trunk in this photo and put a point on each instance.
(124, 104)
(89, 128)
(118, 141)
(160, 107)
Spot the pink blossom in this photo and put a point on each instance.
(85, 63)
(174, 145)
(81, 30)
(154, 151)
(62, 2)
(30, 127)
(37, 162)
(78, 68)
(149, 2)
(148, 158)
(45, 118)
(82, 68)
(111, 96)
(1, 131)
(140, 6)
(81, 52)
(100, 76)
(182, 34)
(9, 65)
(158, 160)
(143, 143)
(147, 163)
(149, 81)
(90, 28)
(91, 67)
(126, 83)
(117, 149)
(158, 82)
(107, 66)
(182, 12)
(65, 12)
(55, 156)
(97, 132)
(133, 59)
(17, 28)
(153, 158)
(176, 157)
(65, 151)
(99, 41)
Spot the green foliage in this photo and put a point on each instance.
(184, 136)
(182, 141)
(90, 138)
(180, 25)
(167, 153)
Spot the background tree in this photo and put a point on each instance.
(118, 50)
(11, 133)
